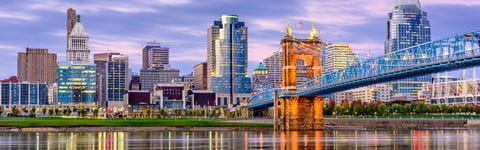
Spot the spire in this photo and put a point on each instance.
(78, 18)
(399, 3)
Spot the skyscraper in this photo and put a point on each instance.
(337, 56)
(227, 58)
(100, 61)
(273, 64)
(37, 65)
(407, 26)
(116, 84)
(155, 56)
(77, 43)
(200, 76)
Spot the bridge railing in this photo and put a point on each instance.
(454, 48)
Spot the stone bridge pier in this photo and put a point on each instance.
(299, 113)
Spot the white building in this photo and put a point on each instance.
(77, 45)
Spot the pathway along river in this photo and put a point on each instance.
(319, 140)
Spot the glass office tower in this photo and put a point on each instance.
(228, 62)
(407, 26)
(76, 83)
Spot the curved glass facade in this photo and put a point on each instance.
(230, 67)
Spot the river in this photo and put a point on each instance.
(318, 140)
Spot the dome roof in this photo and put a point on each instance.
(261, 66)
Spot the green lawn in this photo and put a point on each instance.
(71, 122)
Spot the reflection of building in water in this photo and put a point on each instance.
(451, 91)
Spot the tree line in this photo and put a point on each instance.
(358, 108)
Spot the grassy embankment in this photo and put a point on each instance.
(82, 122)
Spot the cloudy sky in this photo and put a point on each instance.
(123, 26)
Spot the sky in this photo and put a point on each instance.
(124, 26)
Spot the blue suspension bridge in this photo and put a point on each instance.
(452, 53)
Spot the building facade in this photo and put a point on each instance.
(37, 65)
(117, 80)
(337, 57)
(172, 95)
(273, 64)
(71, 20)
(155, 56)
(200, 76)
(149, 78)
(76, 83)
(227, 57)
(23, 93)
(77, 43)
(407, 26)
(100, 60)
(452, 91)
(135, 84)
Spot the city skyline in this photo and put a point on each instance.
(123, 32)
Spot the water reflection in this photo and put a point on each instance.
(213, 140)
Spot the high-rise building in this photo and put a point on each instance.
(76, 83)
(200, 76)
(337, 56)
(149, 78)
(260, 78)
(100, 60)
(116, 84)
(155, 56)
(228, 57)
(37, 65)
(407, 26)
(77, 43)
(273, 64)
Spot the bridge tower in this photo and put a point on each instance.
(298, 112)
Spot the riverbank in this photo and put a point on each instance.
(56, 122)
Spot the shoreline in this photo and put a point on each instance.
(129, 129)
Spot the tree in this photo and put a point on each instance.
(15, 111)
(33, 110)
(95, 112)
(1, 111)
(82, 112)
(57, 111)
(421, 108)
(24, 110)
(329, 108)
(149, 112)
(67, 111)
(51, 111)
(382, 109)
(408, 108)
(44, 111)
(396, 108)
